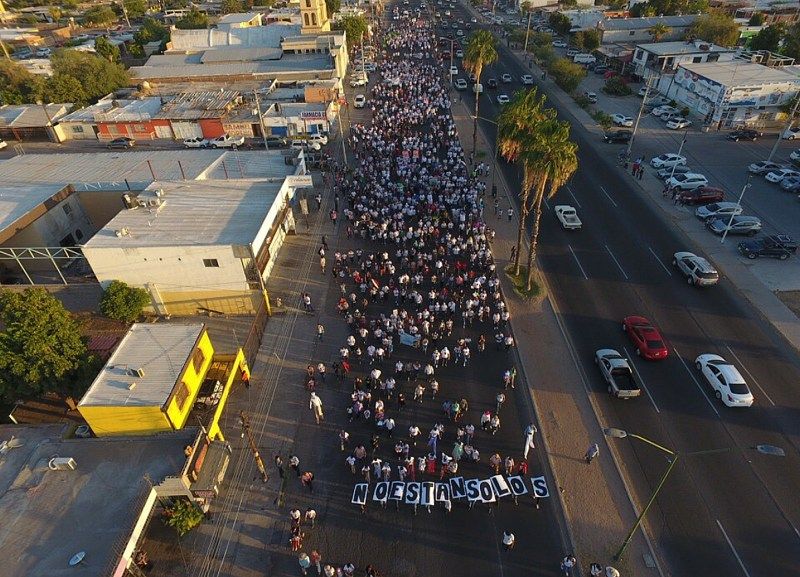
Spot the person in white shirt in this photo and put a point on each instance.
(508, 540)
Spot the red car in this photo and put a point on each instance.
(648, 341)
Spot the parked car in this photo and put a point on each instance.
(642, 92)
(198, 142)
(727, 382)
(299, 144)
(687, 181)
(740, 224)
(461, 84)
(453, 71)
(667, 159)
(503, 99)
(321, 138)
(492, 83)
(622, 120)
(795, 155)
(506, 78)
(791, 133)
(666, 117)
(359, 101)
(662, 110)
(527, 80)
(763, 167)
(459, 54)
(701, 196)
(559, 44)
(618, 136)
(666, 173)
(227, 141)
(678, 123)
(272, 141)
(600, 69)
(697, 270)
(790, 182)
(617, 374)
(744, 134)
(780, 246)
(360, 81)
(121, 143)
(718, 210)
(591, 97)
(646, 338)
(777, 176)
(656, 101)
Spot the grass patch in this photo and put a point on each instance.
(537, 292)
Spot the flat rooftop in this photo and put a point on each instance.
(683, 47)
(741, 73)
(16, 201)
(194, 213)
(160, 350)
(49, 516)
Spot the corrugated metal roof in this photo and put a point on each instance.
(18, 200)
(255, 36)
(239, 17)
(31, 115)
(196, 213)
(289, 63)
(160, 350)
(199, 104)
(648, 22)
(87, 114)
(240, 55)
(740, 73)
(130, 110)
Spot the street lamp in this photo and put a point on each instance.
(770, 450)
(639, 115)
(739, 205)
(496, 150)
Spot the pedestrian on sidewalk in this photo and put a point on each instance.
(294, 463)
(508, 540)
(307, 479)
(296, 540)
(591, 453)
(344, 439)
(320, 331)
(510, 213)
(279, 465)
(351, 460)
(305, 563)
(315, 403)
(318, 198)
(316, 560)
(294, 516)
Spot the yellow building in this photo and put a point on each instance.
(314, 17)
(156, 377)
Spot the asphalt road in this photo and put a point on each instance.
(735, 513)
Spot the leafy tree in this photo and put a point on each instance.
(65, 88)
(559, 23)
(333, 6)
(791, 42)
(231, 6)
(481, 51)
(616, 86)
(41, 345)
(613, 5)
(668, 7)
(194, 20)
(99, 16)
(545, 54)
(151, 31)
(576, 41)
(658, 31)
(768, 38)
(69, 4)
(716, 27)
(135, 8)
(55, 13)
(183, 516)
(355, 28)
(756, 19)
(566, 74)
(17, 85)
(122, 302)
(106, 49)
(541, 39)
(568, 3)
(591, 39)
(97, 76)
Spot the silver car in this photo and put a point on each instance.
(718, 210)
(740, 224)
(697, 270)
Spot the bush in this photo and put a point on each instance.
(122, 302)
(685, 111)
(582, 101)
(567, 75)
(603, 119)
(616, 86)
(183, 516)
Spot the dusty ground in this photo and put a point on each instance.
(791, 299)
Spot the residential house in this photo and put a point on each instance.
(239, 20)
(132, 118)
(661, 57)
(23, 122)
(293, 118)
(636, 30)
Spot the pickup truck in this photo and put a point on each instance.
(617, 373)
(778, 246)
(568, 217)
(226, 141)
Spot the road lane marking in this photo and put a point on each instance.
(583, 272)
(609, 197)
(735, 553)
(616, 261)
(569, 190)
(741, 364)
(547, 204)
(669, 272)
(641, 380)
(696, 382)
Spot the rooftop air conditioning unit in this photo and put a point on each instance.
(62, 464)
(137, 372)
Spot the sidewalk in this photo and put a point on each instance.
(597, 509)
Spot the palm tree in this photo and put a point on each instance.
(481, 50)
(658, 31)
(516, 125)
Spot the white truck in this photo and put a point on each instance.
(226, 141)
(568, 217)
(616, 371)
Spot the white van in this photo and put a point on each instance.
(584, 59)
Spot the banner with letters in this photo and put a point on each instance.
(429, 493)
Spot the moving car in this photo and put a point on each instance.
(461, 84)
(697, 270)
(622, 120)
(702, 195)
(506, 78)
(198, 142)
(642, 92)
(591, 97)
(227, 141)
(728, 384)
(646, 338)
(666, 117)
(795, 155)
(322, 139)
(121, 143)
(568, 217)
(744, 134)
(359, 101)
(740, 224)
(492, 83)
(459, 54)
(360, 81)
(780, 246)
(527, 80)
(778, 175)
(678, 123)
(453, 71)
(503, 99)
(669, 171)
(718, 210)
(667, 159)
(763, 166)
(618, 136)
(687, 181)
(616, 371)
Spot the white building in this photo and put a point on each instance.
(731, 93)
(629, 30)
(666, 56)
(292, 118)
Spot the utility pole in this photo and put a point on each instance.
(261, 120)
(639, 116)
(252, 443)
(527, 31)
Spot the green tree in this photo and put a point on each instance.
(64, 88)
(106, 49)
(576, 41)
(716, 27)
(17, 85)
(194, 20)
(791, 42)
(481, 51)
(333, 6)
(568, 4)
(40, 347)
(756, 19)
(183, 516)
(99, 16)
(135, 8)
(122, 302)
(545, 54)
(55, 13)
(541, 39)
(768, 38)
(591, 39)
(669, 7)
(658, 31)
(560, 23)
(97, 76)
(566, 74)
(231, 6)
(354, 26)
(616, 86)
(151, 31)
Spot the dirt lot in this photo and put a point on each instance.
(791, 299)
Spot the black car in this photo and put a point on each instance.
(744, 134)
(272, 142)
(492, 83)
(779, 246)
(121, 143)
(618, 136)
(600, 69)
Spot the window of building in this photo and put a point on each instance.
(210, 263)
(76, 128)
(632, 33)
(314, 19)
(308, 3)
(697, 59)
(78, 234)
(182, 395)
(67, 209)
(305, 19)
(198, 358)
